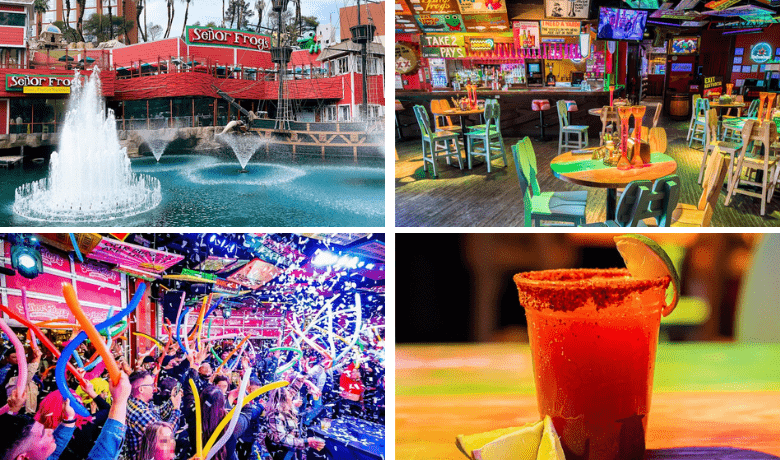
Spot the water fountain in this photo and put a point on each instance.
(89, 176)
(156, 140)
(244, 146)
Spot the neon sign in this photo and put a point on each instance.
(227, 37)
(761, 52)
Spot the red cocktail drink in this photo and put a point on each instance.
(593, 337)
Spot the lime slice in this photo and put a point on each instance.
(522, 444)
(468, 443)
(550, 448)
(646, 260)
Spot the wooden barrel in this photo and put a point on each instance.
(680, 106)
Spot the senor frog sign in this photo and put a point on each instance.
(39, 83)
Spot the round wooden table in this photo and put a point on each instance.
(462, 115)
(580, 169)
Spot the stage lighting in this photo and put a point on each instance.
(26, 256)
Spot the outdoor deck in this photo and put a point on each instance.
(478, 199)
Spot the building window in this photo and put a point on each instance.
(341, 66)
(12, 19)
(90, 4)
(329, 113)
(374, 111)
(344, 113)
(49, 17)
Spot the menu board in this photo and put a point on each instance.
(575, 9)
(526, 34)
(435, 6)
(560, 28)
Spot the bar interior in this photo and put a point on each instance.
(613, 113)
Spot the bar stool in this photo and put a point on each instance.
(541, 105)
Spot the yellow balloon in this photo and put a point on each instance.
(247, 399)
(198, 424)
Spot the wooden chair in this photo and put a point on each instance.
(695, 104)
(657, 140)
(430, 139)
(642, 200)
(700, 215)
(487, 142)
(566, 130)
(711, 136)
(755, 137)
(562, 207)
(609, 121)
(657, 114)
(696, 130)
(442, 121)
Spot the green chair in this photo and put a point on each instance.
(732, 135)
(643, 199)
(566, 130)
(488, 141)
(698, 125)
(563, 207)
(431, 139)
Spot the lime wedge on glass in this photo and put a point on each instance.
(513, 442)
(646, 260)
(550, 448)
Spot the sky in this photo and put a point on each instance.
(211, 10)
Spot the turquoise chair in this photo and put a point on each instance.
(488, 141)
(698, 125)
(642, 200)
(431, 139)
(566, 130)
(563, 207)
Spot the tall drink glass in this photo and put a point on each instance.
(593, 337)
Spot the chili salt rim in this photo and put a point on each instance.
(569, 289)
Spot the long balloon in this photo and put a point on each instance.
(21, 359)
(249, 398)
(198, 423)
(26, 310)
(232, 352)
(234, 420)
(44, 340)
(76, 247)
(286, 366)
(59, 370)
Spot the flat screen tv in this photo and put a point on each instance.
(620, 24)
(534, 68)
(684, 45)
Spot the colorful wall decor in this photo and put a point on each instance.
(574, 9)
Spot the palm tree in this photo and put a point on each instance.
(186, 11)
(297, 22)
(171, 12)
(40, 7)
(67, 15)
(80, 21)
(259, 5)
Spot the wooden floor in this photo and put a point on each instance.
(478, 199)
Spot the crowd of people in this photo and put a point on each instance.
(150, 413)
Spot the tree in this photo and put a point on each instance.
(297, 23)
(67, 15)
(139, 7)
(69, 34)
(101, 28)
(80, 21)
(239, 12)
(260, 6)
(171, 13)
(155, 30)
(186, 11)
(40, 7)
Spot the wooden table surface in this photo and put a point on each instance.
(710, 401)
(458, 112)
(580, 169)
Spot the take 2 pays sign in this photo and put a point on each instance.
(38, 83)
(227, 37)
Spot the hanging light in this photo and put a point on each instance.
(26, 256)
(585, 42)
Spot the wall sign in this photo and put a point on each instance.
(443, 40)
(441, 23)
(526, 34)
(482, 6)
(486, 22)
(578, 9)
(226, 37)
(761, 52)
(15, 82)
(443, 52)
(560, 27)
(482, 44)
(406, 61)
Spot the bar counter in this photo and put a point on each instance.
(517, 118)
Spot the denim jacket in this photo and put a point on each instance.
(107, 447)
